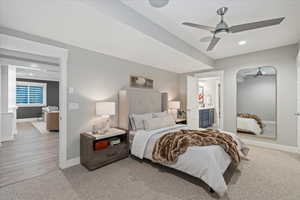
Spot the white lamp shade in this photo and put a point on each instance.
(105, 108)
(174, 104)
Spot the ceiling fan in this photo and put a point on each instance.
(257, 73)
(223, 29)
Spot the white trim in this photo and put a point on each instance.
(41, 78)
(219, 74)
(72, 162)
(28, 46)
(28, 83)
(298, 95)
(280, 147)
(29, 119)
(268, 122)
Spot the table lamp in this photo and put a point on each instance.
(173, 107)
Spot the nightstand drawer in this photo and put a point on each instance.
(110, 152)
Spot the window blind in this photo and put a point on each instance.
(29, 94)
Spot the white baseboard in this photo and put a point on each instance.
(280, 147)
(72, 162)
(28, 119)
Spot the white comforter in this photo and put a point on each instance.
(207, 163)
(248, 124)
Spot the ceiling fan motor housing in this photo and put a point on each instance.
(222, 29)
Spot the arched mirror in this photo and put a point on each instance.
(256, 102)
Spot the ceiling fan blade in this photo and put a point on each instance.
(213, 43)
(203, 27)
(206, 39)
(255, 25)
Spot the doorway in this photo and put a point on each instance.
(11, 43)
(205, 100)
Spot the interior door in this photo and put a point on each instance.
(192, 111)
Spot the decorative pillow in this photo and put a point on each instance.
(169, 120)
(161, 122)
(159, 114)
(138, 120)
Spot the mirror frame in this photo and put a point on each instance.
(276, 106)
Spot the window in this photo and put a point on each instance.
(31, 94)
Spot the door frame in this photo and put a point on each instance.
(220, 74)
(189, 96)
(298, 99)
(18, 44)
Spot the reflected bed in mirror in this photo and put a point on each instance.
(256, 102)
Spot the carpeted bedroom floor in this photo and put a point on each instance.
(270, 175)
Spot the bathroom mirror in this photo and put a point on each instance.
(256, 102)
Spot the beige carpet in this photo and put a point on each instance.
(270, 175)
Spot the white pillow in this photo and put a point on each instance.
(138, 120)
(159, 114)
(159, 122)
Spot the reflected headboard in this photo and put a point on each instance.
(140, 101)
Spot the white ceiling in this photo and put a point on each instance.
(31, 66)
(203, 12)
(77, 23)
(38, 72)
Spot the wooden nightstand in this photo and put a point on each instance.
(101, 149)
(180, 121)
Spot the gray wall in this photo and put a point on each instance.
(284, 60)
(257, 96)
(52, 99)
(94, 77)
(99, 77)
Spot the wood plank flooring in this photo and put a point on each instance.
(31, 154)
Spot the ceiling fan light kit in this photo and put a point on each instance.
(222, 29)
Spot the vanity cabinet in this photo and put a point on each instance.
(206, 117)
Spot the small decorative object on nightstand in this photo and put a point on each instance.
(97, 150)
(105, 109)
(180, 121)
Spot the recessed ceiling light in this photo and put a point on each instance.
(31, 74)
(243, 42)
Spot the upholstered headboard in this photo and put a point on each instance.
(139, 101)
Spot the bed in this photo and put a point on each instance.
(206, 162)
(247, 123)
